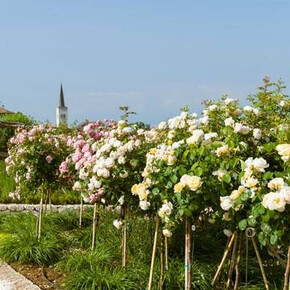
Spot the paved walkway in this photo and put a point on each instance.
(12, 280)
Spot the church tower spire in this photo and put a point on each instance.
(61, 110)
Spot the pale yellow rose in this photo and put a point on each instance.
(178, 187)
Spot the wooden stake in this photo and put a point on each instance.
(153, 254)
(124, 236)
(287, 272)
(166, 253)
(237, 267)
(187, 265)
(40, 218)
(232, 263)
(161, 278)
(260, 262)
(228, 248)
(95, 220)
(81, 213)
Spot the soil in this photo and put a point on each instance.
(45, 278)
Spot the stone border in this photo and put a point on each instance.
(12, 280)
(34, 208)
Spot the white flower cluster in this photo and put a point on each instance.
(284, 151)
(277, 200)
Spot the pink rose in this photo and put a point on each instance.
(48, 159)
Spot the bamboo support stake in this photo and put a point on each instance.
(228, 248)
(232, 263)
(287, 272)
(166, 253)
(40, 218)
(260, 262)
(153, 254)
(124, 236)
(187, 265)
(237, 266)
(81, 213)
(94, 227)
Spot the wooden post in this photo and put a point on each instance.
(228, 248)
(166, 253)
(153, 254)
(237, 267)
(260, 263)
(187, 264)
(287, 272)
(94, 227)
(124, 236)
(81, 213)
(232, 263)
(40, 218)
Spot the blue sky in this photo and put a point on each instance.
(154, 55)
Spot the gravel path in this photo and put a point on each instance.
(11, 280)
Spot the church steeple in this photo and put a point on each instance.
(61, 110)
(61, 97)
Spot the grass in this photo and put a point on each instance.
(67, 248)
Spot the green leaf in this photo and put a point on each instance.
(243, 224)
(268, 175)
(227, 178)
(266, 228)
(174, 178)
(155, 191)
(198, 171)
(262, 238)
(252, 221)
(273, 238)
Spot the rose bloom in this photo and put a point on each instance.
(226, 203)
(274, 201)
(276, 184)
(194, 183)
(178, 187)
(167, 233)
(284, 151)
(222, 150)
(48, 159)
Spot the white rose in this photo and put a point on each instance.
(121, 160)
(239, 128)
(109, 162)
(144, 205)
(257, 134)
(274, 201)
(276, 184)
(167, 233)
(123, 174)
(229, 122)
(197, 135)
(260, 164)
(285, 192)
(226, 203)
(162, 126)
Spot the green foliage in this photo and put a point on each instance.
(7, 133)
(21, 243)
(7, 184)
